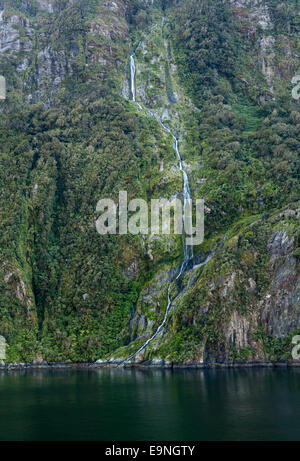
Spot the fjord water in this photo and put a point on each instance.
(258, 404)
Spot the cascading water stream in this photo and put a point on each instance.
(159, 329)
(188, 253)
(133, 69)
(132, 76)
(187, 249)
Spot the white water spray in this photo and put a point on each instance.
(188, 252)
(132, 76)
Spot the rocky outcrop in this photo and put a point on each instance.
(267, 45)
(16, 35)
(281, 305)
(52, 66)
(44, 57)
(255, 15)
(107, 27)
(16, 287)
(46, 5)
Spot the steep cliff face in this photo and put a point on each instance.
(239, 300)
(61, 153)
(54, 42)
(219, 74)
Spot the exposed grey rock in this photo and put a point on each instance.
(237, 331)
(46, 5)
(52, 68)
(279, 245)
(131, 270)
(259, 12)
(157, 362)
(252, 286)
(10, 38)
(267, 45)
(281, 313)
(2, 349)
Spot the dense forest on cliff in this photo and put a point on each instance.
(70, 135)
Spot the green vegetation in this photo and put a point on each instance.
(69, 294)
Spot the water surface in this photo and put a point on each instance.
(131, 405)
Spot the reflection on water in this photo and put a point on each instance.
(115, 404)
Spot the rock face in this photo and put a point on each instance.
(46, 5)
(257, 11)
(72, 137)
(11, 41)
(281, 313)
(51, 70)
(2, 349)
(45, 53)
(267, 60)
(244, 333)
(40, 69)
(256, 17)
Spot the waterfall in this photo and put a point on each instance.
(159, 329)
(188, 252)
(188, 249)
(132, 76)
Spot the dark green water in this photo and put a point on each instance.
(153, 405)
